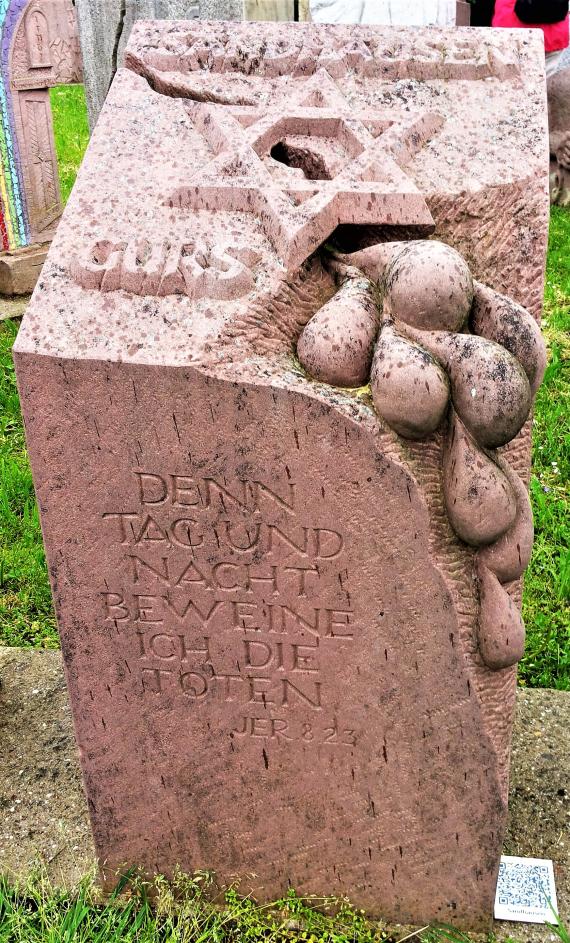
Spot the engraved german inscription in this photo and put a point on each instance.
(231, 593)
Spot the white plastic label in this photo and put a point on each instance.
(524, 889)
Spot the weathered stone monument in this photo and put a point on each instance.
(280, 442)
(558, 92)
(40, 49)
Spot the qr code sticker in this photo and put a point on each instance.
(525, 890)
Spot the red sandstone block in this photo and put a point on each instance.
(276, 645)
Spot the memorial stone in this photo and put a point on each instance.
(40, 49)
(276, 380)
(558, 93)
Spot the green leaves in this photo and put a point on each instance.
(184, 910)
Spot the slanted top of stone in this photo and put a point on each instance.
(226, 155)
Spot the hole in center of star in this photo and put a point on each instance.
(302, 158)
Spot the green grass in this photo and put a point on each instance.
(38, 912)
(71, 132)
(26, 612)
(546, 609)
(186, 911)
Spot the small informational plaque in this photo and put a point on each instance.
(525, 890)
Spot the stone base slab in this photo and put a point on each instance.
(44, 813)
(13, 307)
(20, 270)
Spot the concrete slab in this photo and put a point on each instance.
(43, 813)
(13, 307)
(20, 269)
(539, 800)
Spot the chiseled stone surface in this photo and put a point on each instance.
(44, 812)
(268, 622)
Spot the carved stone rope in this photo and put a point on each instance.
(435, 344)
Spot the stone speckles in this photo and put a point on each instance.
(409, 388)
(336, 345)
(374, 260)
(501, 629)
(489, 388)
(416, 370)
(502, 320)
(201, 494)
(428, 285)
(480, 502)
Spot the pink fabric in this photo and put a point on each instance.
(555, 34)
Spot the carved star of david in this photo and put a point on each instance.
(361, 180)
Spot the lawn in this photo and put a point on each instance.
(71, 132)
(182, 912)
(546, 601)
(26, 612)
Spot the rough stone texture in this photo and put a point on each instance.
(50, 822)
(221, 9)
(336, 347)
(39, 49)
(364, 749)
(104, 28)
(20, 270)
